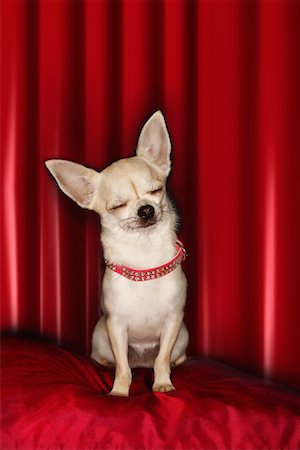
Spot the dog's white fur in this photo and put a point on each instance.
(142, 322)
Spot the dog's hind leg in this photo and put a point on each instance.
(178, 361)
(102, 361)
(101, 348)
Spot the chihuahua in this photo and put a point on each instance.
(144, 287)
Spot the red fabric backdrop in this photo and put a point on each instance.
(78, 80)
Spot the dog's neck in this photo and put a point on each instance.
(140, 250)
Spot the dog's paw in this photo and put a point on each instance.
(121, 385)
(163, 387)
(118, 393)
(120, 389)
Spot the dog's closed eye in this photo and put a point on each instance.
(118, 206)
(157, 190)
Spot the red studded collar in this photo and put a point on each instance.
(155, 272)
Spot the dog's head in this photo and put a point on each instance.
(130, 194)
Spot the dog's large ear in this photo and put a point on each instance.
(75, 180)
(154, 143)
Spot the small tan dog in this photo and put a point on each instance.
(144, 287)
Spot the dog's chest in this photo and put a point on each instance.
(148, 302)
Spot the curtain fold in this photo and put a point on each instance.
(78, 80)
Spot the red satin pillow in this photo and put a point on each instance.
(53, 399)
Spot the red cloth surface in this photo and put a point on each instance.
(53, 399)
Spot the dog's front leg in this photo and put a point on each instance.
(119, 342)
(162, 369)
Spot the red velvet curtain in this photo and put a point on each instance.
(78, 80)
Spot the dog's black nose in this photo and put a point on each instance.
(146, 212)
